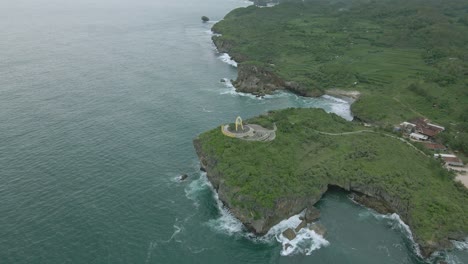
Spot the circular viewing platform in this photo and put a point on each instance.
(250, 132)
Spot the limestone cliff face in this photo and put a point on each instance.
(284, 208)
(259, 79)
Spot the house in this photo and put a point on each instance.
(427, 131)
(435, 146)
(417, 136)
(450, 159)
(407, 127)
(422, 126)
(436, 127)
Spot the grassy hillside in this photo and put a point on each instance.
(408, 58)
(300, 162)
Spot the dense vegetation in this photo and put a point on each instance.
(408, 58)
(301, 162)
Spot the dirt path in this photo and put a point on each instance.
(371, 131)
(462, 174)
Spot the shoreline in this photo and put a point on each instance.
(258, 80)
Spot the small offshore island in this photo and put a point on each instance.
(399, 59)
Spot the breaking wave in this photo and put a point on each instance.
(232, 90)
(227, 59)
(340, 107)
(398, 224)
(226, 222)
(461, 245)
(328, 103)
(196, 187)
(305, 242)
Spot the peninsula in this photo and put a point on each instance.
(265, 182)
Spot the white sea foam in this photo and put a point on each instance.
(330, 104)
(340, 107)
(231, 90)
(461, 245)
(226, 223)
(305, 242)
(227, 59)
(397, 223)
(452, 259)
(195, 187)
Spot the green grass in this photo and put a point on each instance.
(382, 48)
(300, 162)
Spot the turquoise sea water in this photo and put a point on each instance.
(99, 103)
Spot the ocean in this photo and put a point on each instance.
(99, 104)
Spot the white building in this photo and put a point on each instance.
(417, 136)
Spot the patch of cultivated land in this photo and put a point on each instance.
(265, 182)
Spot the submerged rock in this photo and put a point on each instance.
(318, 228)
(289, 234)
(183, 177)
(312, 214)
(301, 225)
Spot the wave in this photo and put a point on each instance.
(331, 104)
(305, 242)
(461, 245)
(194, 189)
(232, 90)
(334, 99)
(227, 59)
(397, 223)
(226, 222)
(340, 107)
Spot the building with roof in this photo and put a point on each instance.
(419, 137)
(422, 126)
(450, 159)
(435, 146)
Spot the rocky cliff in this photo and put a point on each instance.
(286, 207)
(259, 78)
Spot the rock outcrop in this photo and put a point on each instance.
(318, 228)
(289, 234)
(258, 78)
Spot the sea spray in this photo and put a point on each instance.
(196, 187)
(398, 224)
(340, 107)
(226, 222)
(335, 105)
(231, 90)
(227, 59)
(461, 245)
(305, 242)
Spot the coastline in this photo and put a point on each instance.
(259, 80)
(372, 196)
